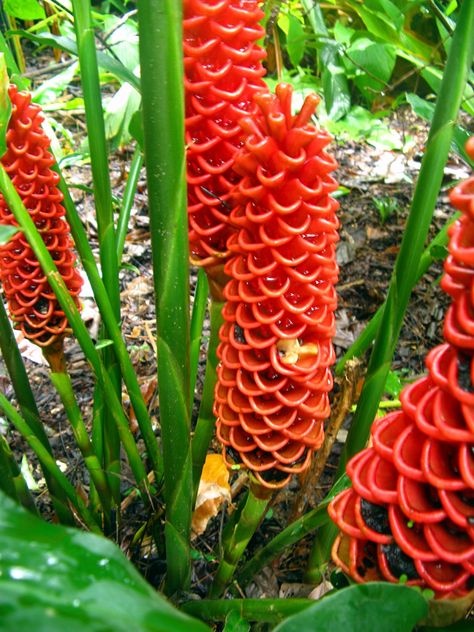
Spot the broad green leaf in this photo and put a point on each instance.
(295, 42)
(373, 64)
(119, 113)
(48, 91)
(69, 45)
(425, 109)
(362, 608)
(54, 579)
(24, 9)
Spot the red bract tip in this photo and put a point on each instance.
(410, 511)
(32, 304)
(223, 72)
(275, 351)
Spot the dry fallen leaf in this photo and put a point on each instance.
(213, 490)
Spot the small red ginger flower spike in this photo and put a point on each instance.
(223, 71)
(410, 511)
(275, 352)
(32, 305)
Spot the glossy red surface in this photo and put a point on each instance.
(223, 71)
(32, 305)
(276, 350)
(413, 489)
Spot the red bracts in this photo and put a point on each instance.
(32, 305)
(223, 71)
(274, 376)
(410, 511)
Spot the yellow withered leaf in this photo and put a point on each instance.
(213, 490)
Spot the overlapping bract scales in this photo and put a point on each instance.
(275, 352)
(32, 305)
(410, 511)
(223, 71)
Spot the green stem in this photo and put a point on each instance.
(206, 422)
(62, 383)
(160, 29)
(11, 478)
(127, 200)
(408, 261)
(25, 398)
(197, 320)
(104, 212)
(364, 340)
(264, 610)
(238, 534)
(293, 533)
(7, 482)
(100, 294)
(58, 286)
(49, 464)
(12, 357)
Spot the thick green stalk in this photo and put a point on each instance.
(58, 286)
(62, 383)
(364, 340)
(160, 29)
(197, 319)
(127, 199)
(7, 481)
(104, 212)
(100, 294)
(403, 279)
(206, 422)
(264, 610)
(24, 396)
(237, 535)
(293, 533)
(11, 478)
(49, 463)
(16, 369)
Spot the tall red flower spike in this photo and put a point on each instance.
(275, 351)
(411, 508)
(223, 71)
(32, 305)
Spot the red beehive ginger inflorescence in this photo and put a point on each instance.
(223, 71)
(276, 351)
(32, 305)
(410, 511)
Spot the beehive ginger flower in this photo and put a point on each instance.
(410, 511)
(32, 305)
(223, 71)
(275, 353)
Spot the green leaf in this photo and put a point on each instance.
(373, 64)
(235, 623)
(24, 9)
(361, 608)
(69, 45)
(54, 579)
(425, 109)
(48, 91)
(393, 384)
(6, 233)
(104, 343)
(439, 252)
(295, 42)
